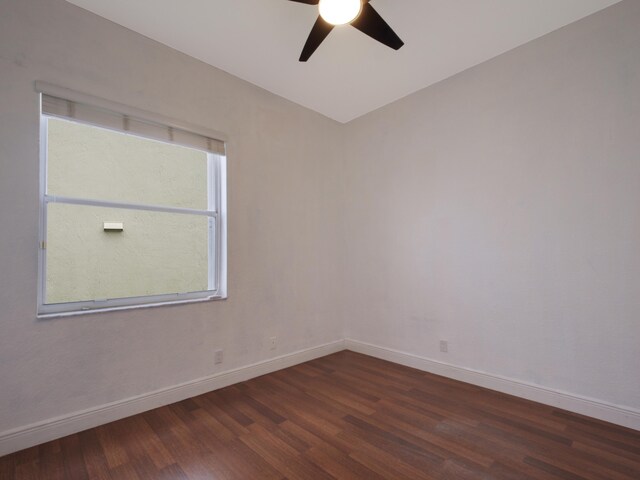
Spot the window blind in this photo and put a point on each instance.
(101, 117)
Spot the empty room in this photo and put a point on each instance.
(320, 239)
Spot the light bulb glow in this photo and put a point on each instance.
(340, 12)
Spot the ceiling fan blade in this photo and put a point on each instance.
(371, 23)
(318, 33)
(308, 2)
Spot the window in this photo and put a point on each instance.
(132, 211)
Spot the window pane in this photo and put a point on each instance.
(156, 253)
(91, 162)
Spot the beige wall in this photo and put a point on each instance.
(282, 199)
(157, 253)
(500, 210)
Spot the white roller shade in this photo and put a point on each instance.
(102, 117)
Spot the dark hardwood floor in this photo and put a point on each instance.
(342, 416)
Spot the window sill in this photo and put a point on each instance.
(129, 307)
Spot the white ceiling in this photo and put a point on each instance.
(350, 74)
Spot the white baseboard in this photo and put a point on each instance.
(37, 433)
(625, 416)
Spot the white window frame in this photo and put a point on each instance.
(216, 213)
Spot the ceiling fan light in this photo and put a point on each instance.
(340, 12)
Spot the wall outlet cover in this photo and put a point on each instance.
(218, 356)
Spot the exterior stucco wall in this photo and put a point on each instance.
(156, 253)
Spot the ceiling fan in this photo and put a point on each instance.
(357, 13)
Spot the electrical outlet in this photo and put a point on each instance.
(444, 346)
(218, 356)
(273, 343)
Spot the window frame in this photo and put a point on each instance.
(216, 213)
